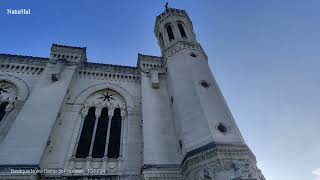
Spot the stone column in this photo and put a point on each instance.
(110, 115)
(97, 113)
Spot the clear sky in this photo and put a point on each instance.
(264, 55)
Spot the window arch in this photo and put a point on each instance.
(115, 135)
(182, 31)
(161, 40)
(86, 134)
(101, 132)
(8, 97)
(170, 32)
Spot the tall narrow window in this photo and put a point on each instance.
(115, 135)
(181, 29)
(101, 134)
(3, 110)
(170, 32)
(161, 40)
(86, 134)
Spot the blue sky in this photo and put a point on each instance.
(264, 55)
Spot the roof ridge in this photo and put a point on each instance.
(139, 54)
(23, 56)
(67, 46)
(113, 65)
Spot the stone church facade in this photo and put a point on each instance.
(64, 117)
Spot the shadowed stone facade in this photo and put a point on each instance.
(64, 117)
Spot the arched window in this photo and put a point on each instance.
(8, 97)
(101, 134)
(3, 106)
(161, 40)
(86, 134)
(170, 32)
(182, 32)
(115, 135)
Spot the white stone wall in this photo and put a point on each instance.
(68, 127)
(43, 128)
(30, 130)
(160, 142)
(188, 111)
(169, 120)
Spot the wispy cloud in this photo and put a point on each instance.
(316, 172)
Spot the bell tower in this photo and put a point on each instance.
(174, 28)
(210, 141)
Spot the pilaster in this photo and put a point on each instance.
(27, 139)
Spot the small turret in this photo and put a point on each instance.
(172, 26)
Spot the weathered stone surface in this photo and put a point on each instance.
(175, 123)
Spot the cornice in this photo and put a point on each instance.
(93, 65)
(22, 66)
(65, 46)
(109, 72)
(23, 59)
(213, 152)
(181, 45)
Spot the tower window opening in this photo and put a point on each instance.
(193, 55)
(204, 84)
(180, 145)
(222, 128)
(182, 32)
(161, 40)
(170, 33)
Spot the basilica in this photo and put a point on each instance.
(65, 117)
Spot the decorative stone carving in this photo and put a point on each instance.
(112, 165)
(17, 84)
(243, 170)
(84, 110)
(205, 173)
(22, 64)
(110, 112)
(104, 98)
(222, 158)
(8, 93)
(10, 106)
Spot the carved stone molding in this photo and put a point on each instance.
(102, 75)
(99, 71)
(24, 69)
(181, 45)
(22, 64)
(21, 91)
(104, 98)
(222, 161)
(80, 98)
